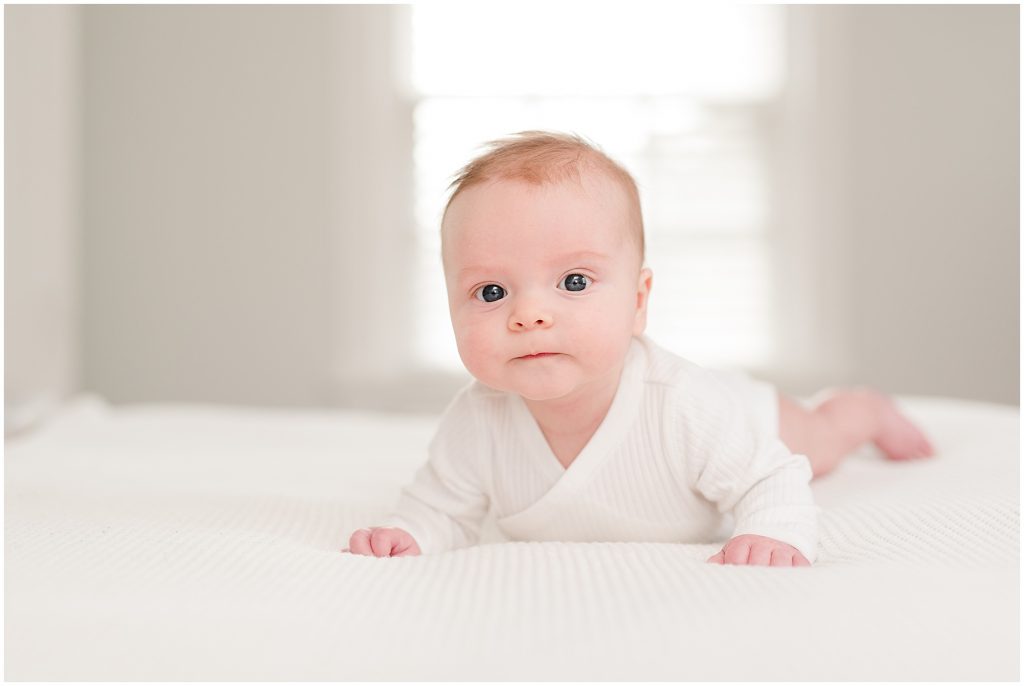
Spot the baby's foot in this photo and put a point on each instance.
(897, 437)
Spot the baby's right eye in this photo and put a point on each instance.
(490, 293)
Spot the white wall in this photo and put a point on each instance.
(901, 199)
(239, 160)
(932, 231)
(41, 209)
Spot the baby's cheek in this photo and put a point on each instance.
(609, 350)
(609, 334)
(477, 350)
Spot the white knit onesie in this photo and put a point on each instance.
(685, 454)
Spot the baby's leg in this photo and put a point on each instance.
(845, 420)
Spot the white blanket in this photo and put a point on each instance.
(202, 543)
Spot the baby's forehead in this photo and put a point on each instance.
(564, 212)
(470, 256)
(499, 197)
(601, 211)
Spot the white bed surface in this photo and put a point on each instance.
(194, 542)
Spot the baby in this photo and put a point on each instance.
(578, 427)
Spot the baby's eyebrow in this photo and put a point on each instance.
(554, 261)
(580, 254)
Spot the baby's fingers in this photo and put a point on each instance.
(761, 554)
(717, 559)
(383, 541)
(737, 552)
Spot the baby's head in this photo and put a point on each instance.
(540, 158)
(543, 251)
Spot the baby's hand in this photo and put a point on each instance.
(382, 542)
(749, 549)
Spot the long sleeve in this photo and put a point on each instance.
(445, 504)
(750, 473)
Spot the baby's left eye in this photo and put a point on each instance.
(575, 282)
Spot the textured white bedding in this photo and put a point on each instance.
(185, 542)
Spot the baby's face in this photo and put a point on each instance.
(544, 284)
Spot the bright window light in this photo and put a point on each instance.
(676, 93)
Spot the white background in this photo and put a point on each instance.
(215, 204)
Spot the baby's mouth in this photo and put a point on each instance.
(536, 356)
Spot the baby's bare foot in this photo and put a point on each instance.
(897, 436)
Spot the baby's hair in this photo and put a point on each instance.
(540, 157)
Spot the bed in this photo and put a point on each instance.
(186, 542)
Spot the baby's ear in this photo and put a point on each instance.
(643, 292)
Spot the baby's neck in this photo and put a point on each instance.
(572, 420)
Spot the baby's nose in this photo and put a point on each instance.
(529, 317)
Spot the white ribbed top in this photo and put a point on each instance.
(678, 458)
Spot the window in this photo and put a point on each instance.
(678, 95)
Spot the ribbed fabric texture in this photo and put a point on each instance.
(200, 543)
(682, 456)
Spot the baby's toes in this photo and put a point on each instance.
(901, 443)
(920, 447)
(901, 451)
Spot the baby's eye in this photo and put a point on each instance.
(576, 282)
(490, 293)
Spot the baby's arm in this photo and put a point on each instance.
(771, 500)
(752, 475)
(444, 506)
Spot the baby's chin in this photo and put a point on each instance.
(541, 394)
(539, 385)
